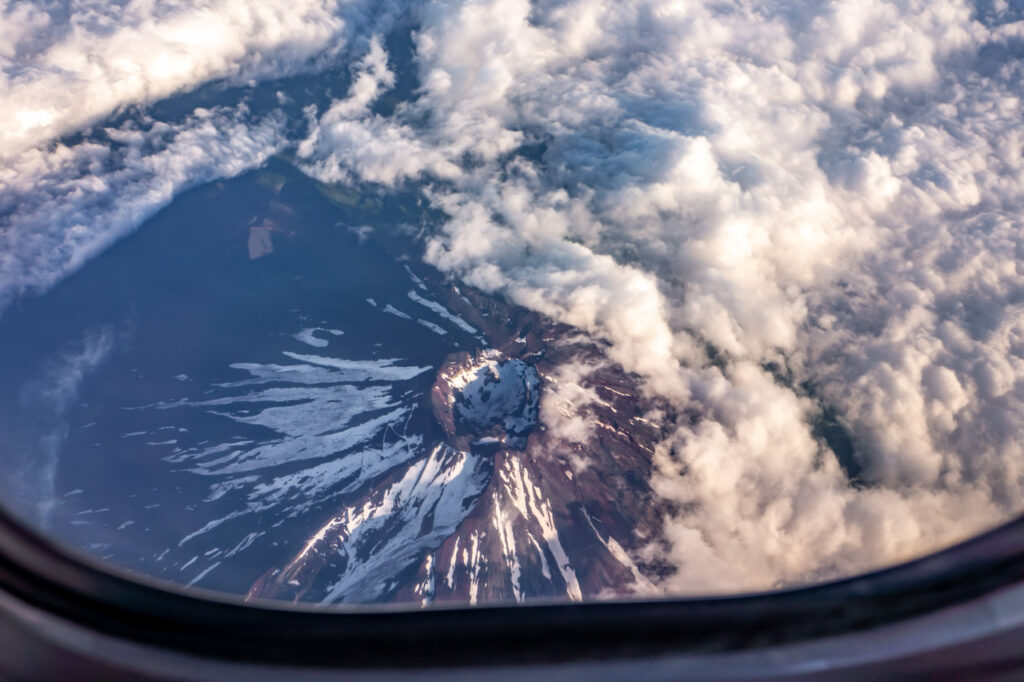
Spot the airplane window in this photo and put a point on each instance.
(430, 304)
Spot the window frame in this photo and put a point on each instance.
(112, 601)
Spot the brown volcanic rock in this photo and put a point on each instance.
(442, 393)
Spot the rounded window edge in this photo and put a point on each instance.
(110, 601)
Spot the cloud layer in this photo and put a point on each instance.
(779, 216)
(83, 162)
(774, 215)
(64, 65)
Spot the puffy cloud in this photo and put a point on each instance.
(65, 65)
(63, 205)
(564, 402)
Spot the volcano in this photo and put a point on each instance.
(264, 391)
